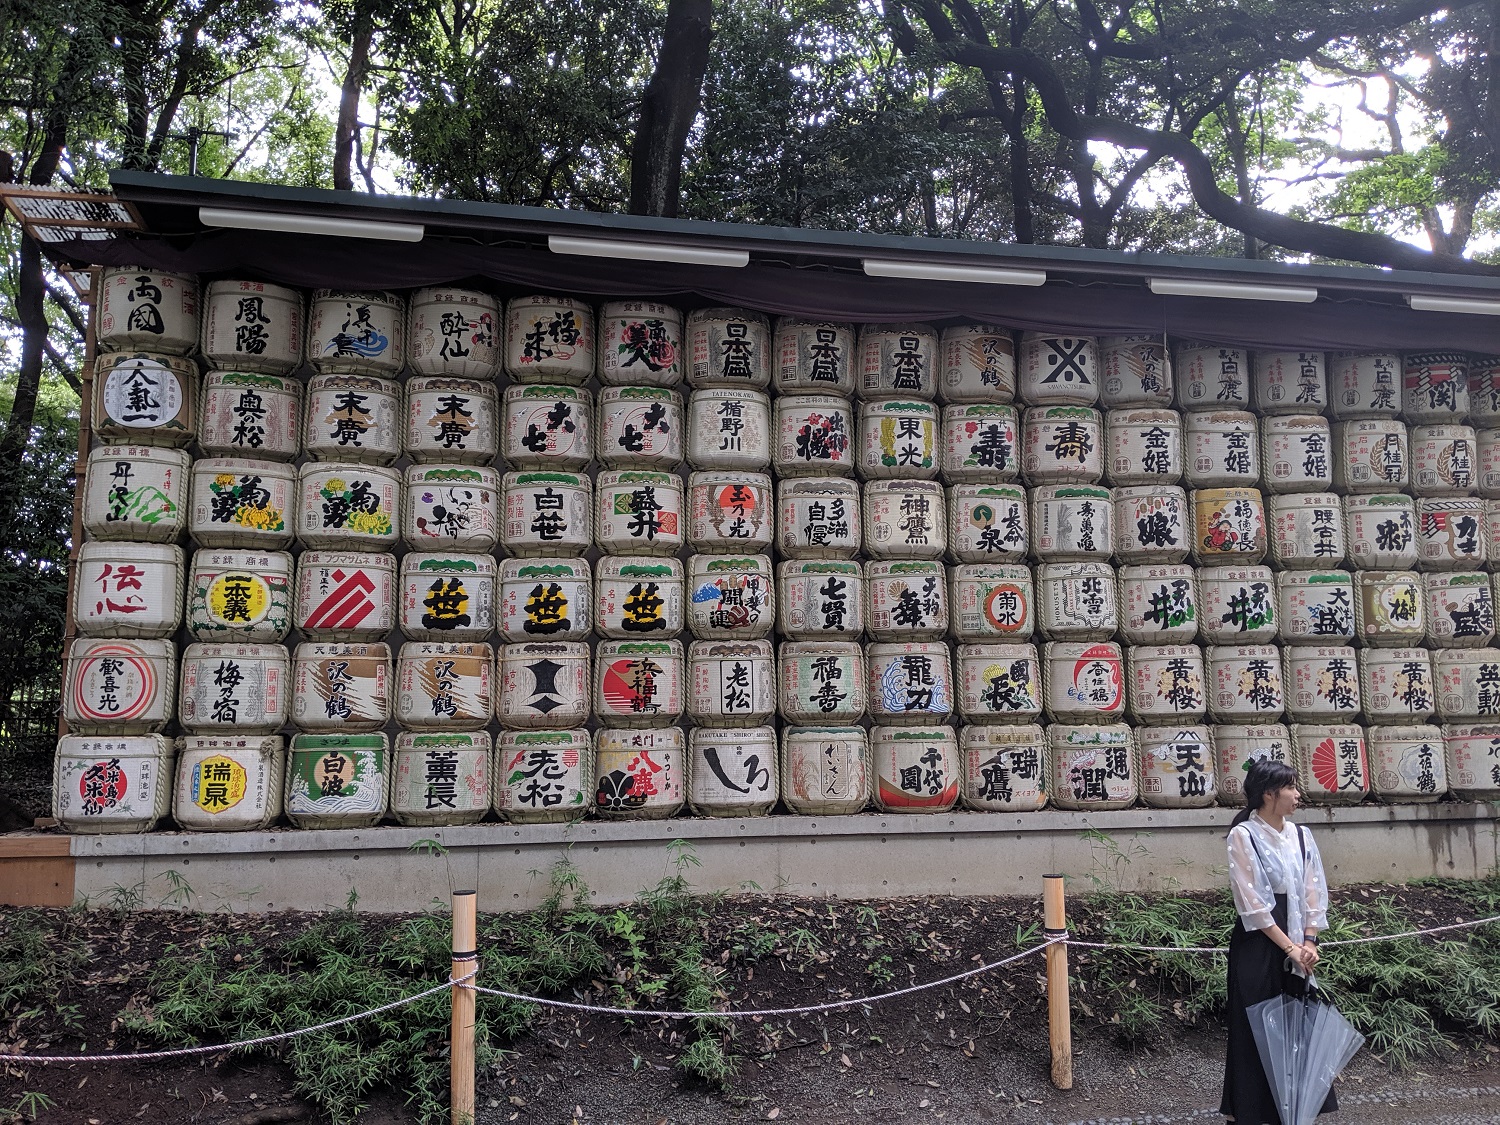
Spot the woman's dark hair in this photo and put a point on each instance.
(1263, 777)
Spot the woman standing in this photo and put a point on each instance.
(1282, 899)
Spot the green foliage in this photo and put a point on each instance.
(37, 958)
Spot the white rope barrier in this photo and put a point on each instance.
(1127, 947)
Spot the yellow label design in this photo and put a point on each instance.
(238, 598)
(218, 784)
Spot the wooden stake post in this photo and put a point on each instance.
(461, 1048)
(1059, 1008)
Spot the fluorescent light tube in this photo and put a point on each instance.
(647, 251)
(1423, 303)
(1231, 290)
(310, 224)
(937, 271)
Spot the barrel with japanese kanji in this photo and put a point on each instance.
(640, 512)
(732, 772)
(979, 364)
(639, 683)
(234, 688)
(915, 769)
(1144, 447)
(1315, 606)
(1221, 449)
(1093, 766)
(1364, 384)
(1211, 377)
(455, 421)
(731, 683)
(445, 685)
(549, 339)
(1307, 531)
(981, 442)
(1245, 684)
(638, 596)
(729, 511)
(353, 418)
(357, 333)
(640, 344)
(640, 428)
(546, 426)
(728, 348)
(346, 595)
(547, 513)
(1333, 763)
(1473, 761)
(447, 596)
(1176, 767)
(1322, 683)
(1236, 747)
(910, 682)
(814, 436)
(337, 780)
(1407, 764)
(249, 414)
(137, 493)
(338, 686)
(1381, 531)
(1298, 453)
(1484, 390)
(824, 599)
(898, 439)
(1444, 459)
(456, 332)
(1396, 685)
(440, 778)
(825, 770)
(1229, 526)
(1134, 371)
(907, 600)
(252, 326)
(1468, 684)
(145, 398)
(1239, 605)
(1371, 455)
(1062, 445)
(818, 517)
(1058, 369)
(898, 359)
(239, 503)
(731, 597)
(640, 774)
(1289, 382)
(904, 519)
(545, 599)
(543, 776)
(999, 683)
(1389, 608)
(236, 595)
(1451, 533)
(451, 507)
(118, 686)
(144, 308)
(816, 357)
(1166, 684)
(821, 682)
(1083, 681)
(1491, 525)
(1159, 604)
(229, 782)
(1460, 609)
(1002, 768)
(1435, 386)
(543, 685)
(341, 505)
(1151, 524)
(1487, 455)
(1077, 601)
(1072, 521)
(111, 784)
(128, 589)
(987, 523)
(729, 430)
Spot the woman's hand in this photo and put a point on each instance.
(1310, 955)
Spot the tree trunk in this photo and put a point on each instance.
(668, 108)
(347, 129)
(1020, 166)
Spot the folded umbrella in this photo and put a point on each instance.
(1304, 1044)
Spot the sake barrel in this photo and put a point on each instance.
(907, 600)
(1388, 608)
(145, 398)
(991, 602)
(1177, 767)
(253, 326)
(1407, 764)
(729, 511)
(825, 771)
(1298, 453)
(1290, 382)
(234, 689)
(898, 439)
(1451, 533)
(910, 682)
(640, 428)
(441, 778)
(1332, 763)
(1062, 445)
(1144, 447)
(239, 503)
(732, 683)
(447, 596)
(987, 523)
(813, 357)
(1396, 685)
(145, 308)
(453, 421)
(821, 682)
(549, 340)
(546, 599)
(1460, 609)
(981, 442)
(137, 493)
(451, 507)
(543, 685)
(229, 782)
(1491, 530)
(114, 784)
(1083, 680)
(1093, 767)
(1211, 377)
(1222, 449)
(814, 436)
(1240, 605)
(1381, 531)
(916, 769)
(128, 589)
(445, 685)
(1316, 606)
(979, 364)
(246, 414)
(346, 595)
(729, 430)
(641, 774)
(640, 344)
(1058, 369)
(638, 596)
(1307, 531)
(1151, 524)
(1434, 386)
(353, 418)
(455, 332)
(1167, 683)
(1468, 684)
(1365, 384)
(732, 772)
(1229, 526)
(639, 683)
(337, 780)
(1134, 371)
(904, 519)
(731, 598)
(1077, 601)
(1322, 683)
(1236, 747)
(547, 513)
(1472, 755)
(898, 359)
(824, 599)
(729, 348)
(115, 686)
(1484, 390)
(546, 426)
(1072, 521)
(1371, 455)
(1002, 768)
(999, 683)
(1444, 460)
(1159, 604)
(818, 517)
(1245, 684)
(639, 512)
(341, 687)
(1487, 453)
(357, 333)
(242, 596)
(343, 505)
(544, 776)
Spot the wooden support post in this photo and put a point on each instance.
(461, 1046)
(1059, 1007)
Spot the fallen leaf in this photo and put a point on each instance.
(923, 1104)
(773, 1114)
(845, 1060)
(964, 1006)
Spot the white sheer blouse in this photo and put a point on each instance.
(1264, 863)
